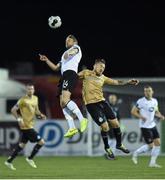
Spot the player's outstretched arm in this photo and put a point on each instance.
(54, 67)
(131, 82)
(121, 82)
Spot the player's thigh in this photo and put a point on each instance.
(157, 142)
(105, 126)
(114, 123)
(147, 135)
(109, 114)
(156, 136)
(33, 136)
(96, 113)
(24, 137)
(65, 96)
(69, 81)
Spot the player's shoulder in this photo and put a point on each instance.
(87, 71)
(105, 77)
(22, 98)
(155, 100)
(35, 97)
(76, 46)
(141, 100)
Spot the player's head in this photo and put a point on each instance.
(148, 92)
(30, 89)
(112, 99)
(70, 41)
(99, 66)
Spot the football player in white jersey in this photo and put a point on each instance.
(69, 67)
(146, 109)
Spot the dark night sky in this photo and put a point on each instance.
(122, 32)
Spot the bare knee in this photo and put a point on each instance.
(114, 123)
(22, 145)
(157, 142)
(65, 98)
(64, 102)
(151, 145)
(41, 142)
(105, 127)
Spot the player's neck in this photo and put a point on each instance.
(96, 73)
(29, 96)
(148, 98)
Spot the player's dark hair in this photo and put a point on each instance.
(73, 37)
(29, 84)
(100, 61)
(147, 86)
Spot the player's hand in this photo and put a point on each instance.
(143, 118)
(21, 122)
(41, 116)
(162, 118)
(43, 57)
(133, 82)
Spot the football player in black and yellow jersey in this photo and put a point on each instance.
(28, 108)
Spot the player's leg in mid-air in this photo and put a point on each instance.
(68, 106)
(118, 135)
(98, 117)
(113, 121)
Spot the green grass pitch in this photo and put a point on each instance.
(83, 168)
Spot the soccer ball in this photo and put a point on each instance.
(54, 22)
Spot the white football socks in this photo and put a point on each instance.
(68, 117)
(154, 154)
(72, 106)
(142, 149)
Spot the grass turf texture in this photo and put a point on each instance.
(83, 168)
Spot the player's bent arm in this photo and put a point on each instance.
(70, 53)
(39, 114)
(135, 112)
(18, 118)
(159, 115)
(81, 74)
(14, 111)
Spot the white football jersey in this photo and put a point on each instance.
(147, 109)
(72, 62)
